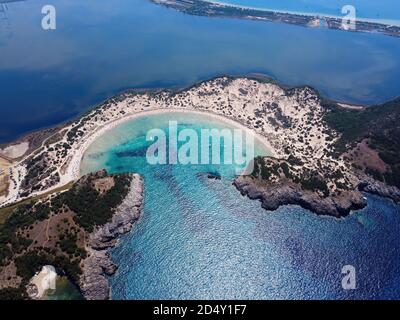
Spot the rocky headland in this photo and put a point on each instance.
(321, 150)
(98, 264)
(71, 230)
(380, 189)
(274, 196)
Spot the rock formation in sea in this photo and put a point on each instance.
(274, 196)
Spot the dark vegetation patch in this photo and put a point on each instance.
(91, 209)
(88, 208)
(379, 124)
(278, 170)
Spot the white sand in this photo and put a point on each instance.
(351, 107)
(15, 151)
(277, 119)
(44, 280)
(74, 172)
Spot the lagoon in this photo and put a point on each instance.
(198, 238)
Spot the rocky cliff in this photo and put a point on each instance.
(380, 189)
(98, 264)
(274, 196)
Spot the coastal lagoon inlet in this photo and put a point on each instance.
(198, 238)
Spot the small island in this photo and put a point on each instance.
(224, 10)
(324, 155)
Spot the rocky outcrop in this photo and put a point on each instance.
(209, 175)
(380, 189)
(272, 196)
(98, 264)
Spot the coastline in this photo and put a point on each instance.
(81, 201)
(71, 238)
(108, 127)
(272, 197)
(49, 131)
(392, 22)
(279, 116)
(72, 164)
(226, 10)
(98, 265)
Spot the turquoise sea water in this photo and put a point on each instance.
(200, 239)
(101, 47)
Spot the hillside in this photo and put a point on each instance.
(379, 128)
(57, 230)
(365, 141)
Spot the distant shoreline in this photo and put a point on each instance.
(225, 10)
(310, 14)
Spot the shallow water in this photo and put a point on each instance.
(200, 239)
(101, 47)
(65, 290)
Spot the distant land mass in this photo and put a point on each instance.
(324, 156)
(215, 9)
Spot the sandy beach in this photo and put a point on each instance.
(4, 183)
(277, 117)
(390, 22)
(77, 159)
(15, 151)
(43, 281)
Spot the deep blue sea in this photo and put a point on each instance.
(200, 239)
(101, 47)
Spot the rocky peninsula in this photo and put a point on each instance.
(323, 156)
(326, 151)
(98, 264)
(72, 231)
(284, 191)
